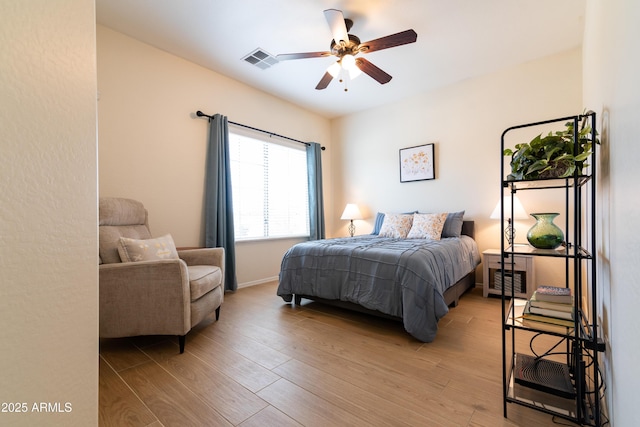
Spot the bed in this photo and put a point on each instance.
(412, 280)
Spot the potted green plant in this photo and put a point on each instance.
(551, 156)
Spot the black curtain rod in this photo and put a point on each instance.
(201, 114)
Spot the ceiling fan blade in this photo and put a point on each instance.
(324, 81)
(335, 19)
(376, 73)
(398, 39)
(287, 56)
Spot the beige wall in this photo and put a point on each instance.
(48, 213)
(153, 149)
(465, 121)
(611, 70)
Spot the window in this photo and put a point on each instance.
(269, 184)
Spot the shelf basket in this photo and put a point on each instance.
(510, 279)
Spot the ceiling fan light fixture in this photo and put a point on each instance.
(348, 62)
(334, 69)
(354, 72)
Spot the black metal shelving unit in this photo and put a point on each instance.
(567, 385)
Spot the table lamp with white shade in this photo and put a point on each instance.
(350, 213)
(518, 213)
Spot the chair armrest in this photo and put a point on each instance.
(144, 298)
(203, 256)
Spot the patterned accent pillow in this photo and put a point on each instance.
(380, 219)
(131, 250)
(396, 225)
(427, 226)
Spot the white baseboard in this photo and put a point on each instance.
(257, 282)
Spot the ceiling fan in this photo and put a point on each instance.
(346, 47)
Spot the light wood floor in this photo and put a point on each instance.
(267, 363)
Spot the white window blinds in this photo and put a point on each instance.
(269, 184)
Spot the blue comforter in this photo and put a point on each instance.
(399, 277)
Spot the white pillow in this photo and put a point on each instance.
(427, 226)
(131, 250)
(396, 225)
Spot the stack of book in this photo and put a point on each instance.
(551, 305)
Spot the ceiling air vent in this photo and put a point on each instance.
(261, 59)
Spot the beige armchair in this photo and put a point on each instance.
(147, 287)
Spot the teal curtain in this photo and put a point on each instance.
(218, 208)
(316, 200)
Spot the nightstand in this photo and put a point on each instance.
(523, 276)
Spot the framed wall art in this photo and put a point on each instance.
(417, 163)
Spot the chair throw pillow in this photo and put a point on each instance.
(131, 250)
(427, 226)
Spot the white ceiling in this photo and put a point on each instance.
(457, 39)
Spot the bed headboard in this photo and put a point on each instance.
(468, 229)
